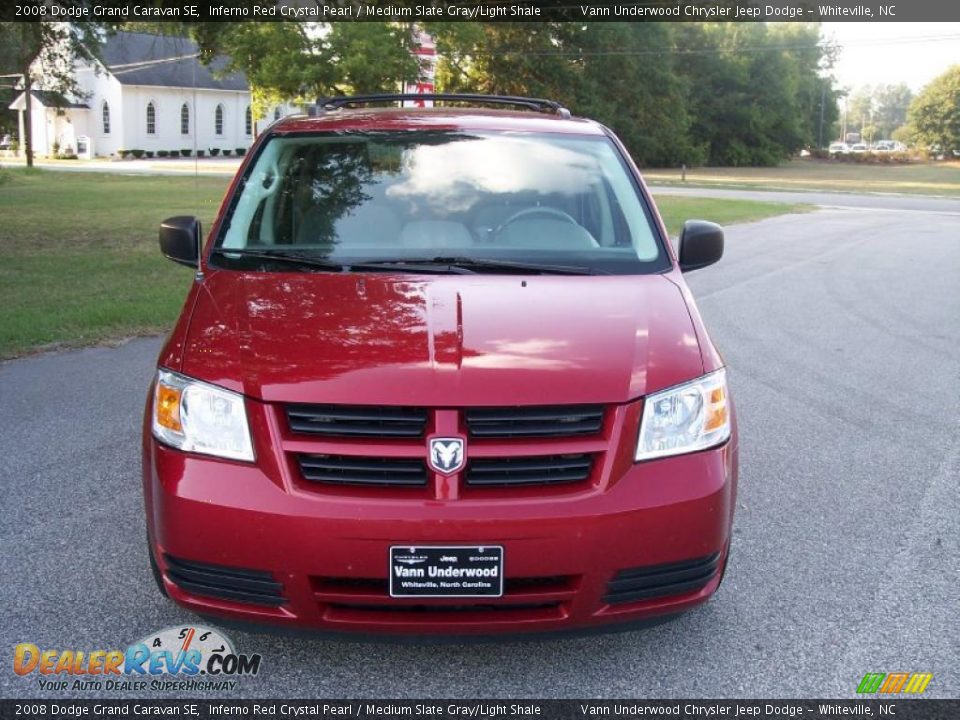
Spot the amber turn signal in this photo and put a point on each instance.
(167, 407)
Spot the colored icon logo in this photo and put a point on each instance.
(894, 683)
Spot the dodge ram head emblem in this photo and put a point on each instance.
(446, 455)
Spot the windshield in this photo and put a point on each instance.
(482, 200)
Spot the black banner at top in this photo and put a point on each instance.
(481, 10)
(491, 709)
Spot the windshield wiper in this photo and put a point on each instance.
(470, 264)
(440, 264)
(318, 262)
(281, 256)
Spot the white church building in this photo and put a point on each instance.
(147, 92)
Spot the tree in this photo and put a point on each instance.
(860, 109)
(869, 133)
(880, 109)
(296, 61)
(276, 58)
(8, 82)
(47, 50)
(758, 93)
(641, 96)
(725, 93)
(583, 66)
(904, 134)
(892, 103)
(935, 113)
(811, 61)
(279, 56)
(366, 57)
(731, 94)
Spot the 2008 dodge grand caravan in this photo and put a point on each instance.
(439, 373)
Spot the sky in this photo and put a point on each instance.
(891, 53)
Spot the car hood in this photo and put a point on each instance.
(440, 340)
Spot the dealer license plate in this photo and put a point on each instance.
(451, 571)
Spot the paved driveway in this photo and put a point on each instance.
(878, 202)
(841, 330)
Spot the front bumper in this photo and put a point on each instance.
(330, 554)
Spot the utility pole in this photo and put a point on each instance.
(823, 99)
(843, 133)
(27, 138)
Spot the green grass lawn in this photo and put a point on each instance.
(79, 262)
(675, 210)
(942, 178)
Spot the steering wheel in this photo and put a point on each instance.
(544, 211)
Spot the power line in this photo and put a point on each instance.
(826, 45)
(134, 67)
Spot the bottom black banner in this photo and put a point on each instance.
(896, 709)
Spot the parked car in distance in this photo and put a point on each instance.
(439, 373)
(889, 146)
(839, 148)
(859, 148)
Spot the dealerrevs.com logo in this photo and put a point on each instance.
(176, 658)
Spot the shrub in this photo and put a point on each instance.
(241, 152)
(226, 152)
(186, 152)
(149, 153)
(163, 153)
(124, 154)
(875, 158)
(200, 153)
(67, 156)
(214, 152)
(138, 153)
(174, 153)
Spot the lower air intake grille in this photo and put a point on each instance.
(343, 470)
(226, 583)
(515, 471)
(357, 421)
(655, 581)
(510, 422)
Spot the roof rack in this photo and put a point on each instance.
(537, 104)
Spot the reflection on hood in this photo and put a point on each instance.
(442, 340)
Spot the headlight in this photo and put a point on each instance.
(685, 418)
(194, 416)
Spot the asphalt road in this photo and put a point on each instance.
(877, 202)
(841, 330)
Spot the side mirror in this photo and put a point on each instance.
(701, 244)
(180, 239)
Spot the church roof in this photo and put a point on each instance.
(165, 60)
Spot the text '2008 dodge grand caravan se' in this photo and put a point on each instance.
(439, 373)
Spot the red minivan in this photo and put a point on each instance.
(439, 373)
